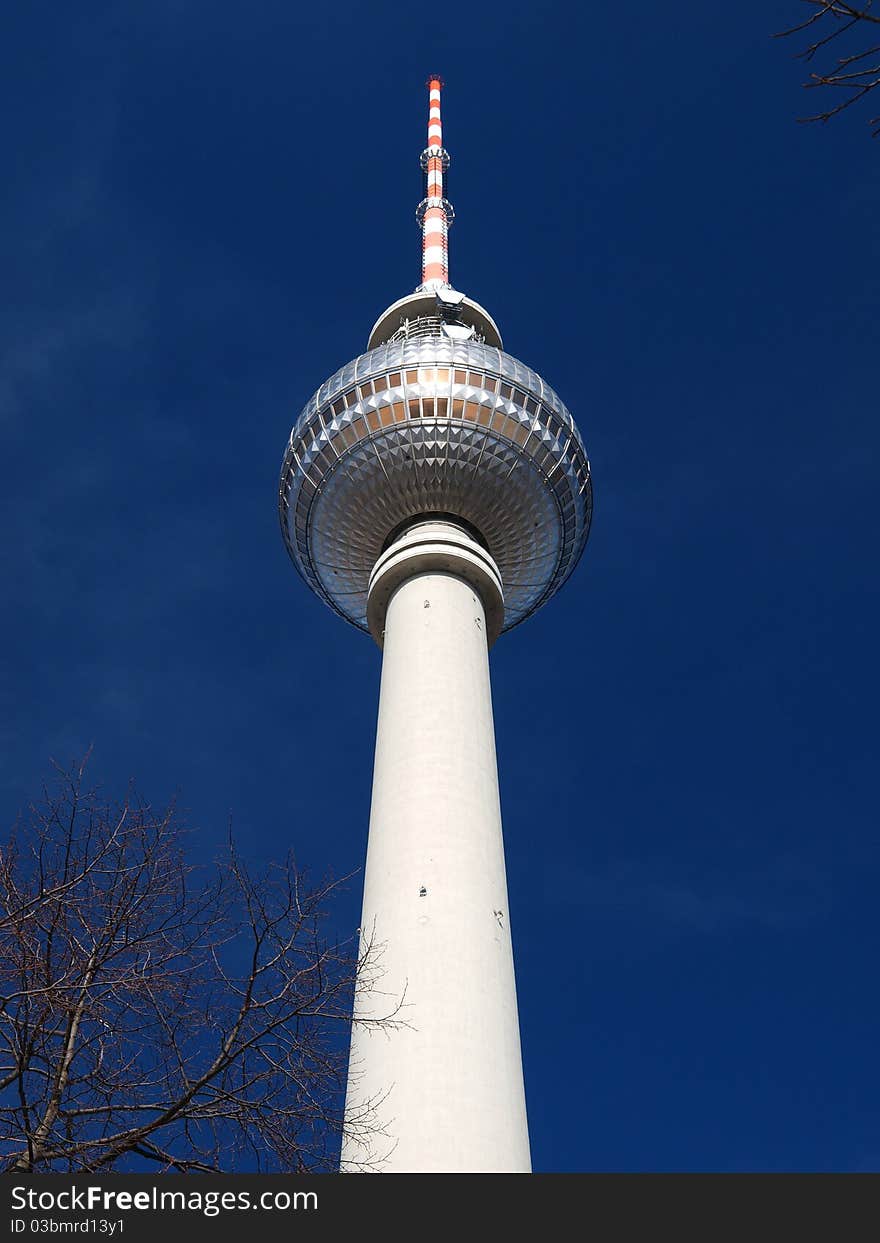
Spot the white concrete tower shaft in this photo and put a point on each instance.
(438, 1087)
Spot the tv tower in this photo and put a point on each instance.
(435, 493)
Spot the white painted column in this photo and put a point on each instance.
(442, 1092)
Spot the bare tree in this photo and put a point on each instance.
(148, 1020)
(854, 75)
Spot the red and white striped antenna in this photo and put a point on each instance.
(435, 213)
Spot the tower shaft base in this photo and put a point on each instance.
(438, 1087)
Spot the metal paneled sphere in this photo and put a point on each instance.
(431, 424)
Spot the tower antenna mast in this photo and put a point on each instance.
(435, 213)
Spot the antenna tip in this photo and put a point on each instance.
(432, 78)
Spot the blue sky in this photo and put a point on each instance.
(686, 732)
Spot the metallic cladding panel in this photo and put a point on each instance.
(432, 425)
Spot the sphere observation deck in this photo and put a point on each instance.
(435, 419)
